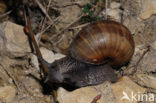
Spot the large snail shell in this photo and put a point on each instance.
(103, 42)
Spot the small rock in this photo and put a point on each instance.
(146, 80)
(148, 8)
(115, 14)
(14, 41)
(68, 14)
(34, 61)
(48, 55)
(82, 95)
(58, 56)
(7, 93)
(82, 2)
(126, 87)
(115, 5)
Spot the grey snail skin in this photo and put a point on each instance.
(94, 51)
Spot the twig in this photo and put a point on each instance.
(67, 4)
(96, 98)
(80, 26)
(38, 35)
(41, 23)
(106, 6)
(109, 5)
(11, 76)
(52, 23)
(49, 4)
(137, 63)
(43, 10)
(7, 13)
(45, 69)
(68, 26)
(135, 68)
(45, 17)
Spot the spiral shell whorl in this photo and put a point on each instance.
(103, 42)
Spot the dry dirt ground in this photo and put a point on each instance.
(55, 23)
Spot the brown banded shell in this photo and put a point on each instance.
(103, 42)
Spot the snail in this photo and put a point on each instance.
(97, 48)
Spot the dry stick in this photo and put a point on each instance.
(52, 23)
(137, 63)
(135, 68)
(41, 23)
(43, 10)
(106, 6)
(7, 13)
(79, 26)
(45, 69)
(12, 77)
(38, 35)
(68, 26)
(45, 17)
(49, 4)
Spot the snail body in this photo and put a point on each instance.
(93, 52)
